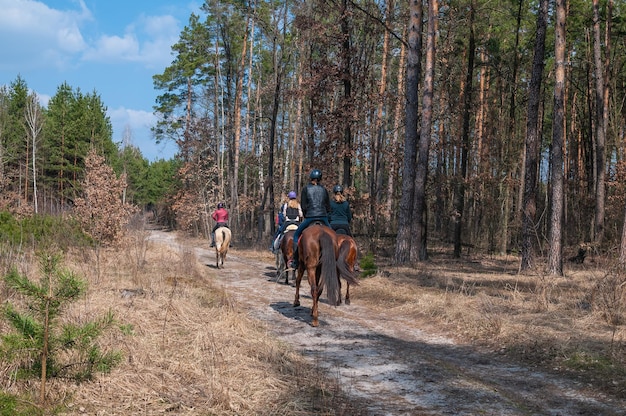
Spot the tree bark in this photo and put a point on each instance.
(393, 152)
(533, 141)
(600, 127)
(459, 191)
(413, 74)
(378, 135)
(419, 251)
(555, 254)
(347, 93)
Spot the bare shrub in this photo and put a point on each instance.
(609, 298)
(136, 246)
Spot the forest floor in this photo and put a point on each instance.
(395, 363)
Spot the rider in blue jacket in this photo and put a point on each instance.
(315, 203)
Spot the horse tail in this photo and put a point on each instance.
(342, 264)
(226, 236)
(329, 268)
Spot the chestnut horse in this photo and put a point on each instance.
(222, 242)
(317, 252)
(284, 255)
(346, 260)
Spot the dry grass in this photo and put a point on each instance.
(187, 350)
(573, 325)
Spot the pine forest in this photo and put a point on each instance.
(489, 126)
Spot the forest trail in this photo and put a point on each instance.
(388, 362)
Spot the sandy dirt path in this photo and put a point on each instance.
(389, 362)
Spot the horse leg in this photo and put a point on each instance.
(315, 294)
(279, 265)
(286, 269)
(296, 302)
(339, 280)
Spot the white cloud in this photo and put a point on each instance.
(33, 35)
(134, 118)
(147, 40)
(113, 48)
(56, 38)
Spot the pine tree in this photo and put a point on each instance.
(43, 345)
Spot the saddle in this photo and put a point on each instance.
(290, 227)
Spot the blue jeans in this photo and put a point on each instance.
(301, 228)
(281, 230)
(283, 226)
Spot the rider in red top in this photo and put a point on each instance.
(220, 216)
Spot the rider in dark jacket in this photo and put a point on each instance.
(340, 213)
(315, 204)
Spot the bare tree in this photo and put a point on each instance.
(34, 121)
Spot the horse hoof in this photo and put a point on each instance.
(347, 301)
(315, 323)
(296, 304)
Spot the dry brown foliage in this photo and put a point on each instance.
(187, 348)
(101, 210)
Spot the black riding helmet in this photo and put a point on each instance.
(220, 205)
(316, 174)
(337, 189)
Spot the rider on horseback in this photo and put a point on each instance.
(340, 214)
(220, 216)
(291, 212)
(315, 206)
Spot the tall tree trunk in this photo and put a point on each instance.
(272, 139)
(413, 74)
(533, 141)
(511, 129)
(34, 121)
(234, 185)
(393, 152)
(379, 132)
(419, 250)
(347, 93)
(459, 191)
(600, 127)
(555, 255)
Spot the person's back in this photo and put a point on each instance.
(340, 213)
(220, 216)
(292, 211)
(315, 201)
(315, 206)
(291, 214)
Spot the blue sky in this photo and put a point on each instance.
(111, 46)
